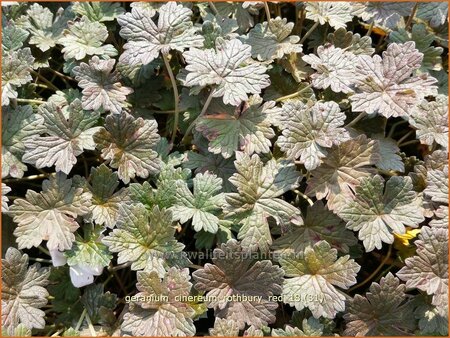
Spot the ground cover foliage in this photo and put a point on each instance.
(226, 168)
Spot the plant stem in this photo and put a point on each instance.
(411, 17)
(30, 101)
(404, 137)
(266, 8)
(308, 33)
(91, 327)
(47, 82)
(298, 192)
(80, 321)
(355, 120)
(176, 97)
(56, 334)
(290, 96)
(44, 250)
(369, 31)
(26, 178)
(40, 260)
(395, 125)
(195, 266)
(205, 107)
(213, 7)
(408, 143)
(383, 262)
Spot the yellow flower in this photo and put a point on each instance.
(402, 242)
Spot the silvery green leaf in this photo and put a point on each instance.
(67, 137)
(98, 11)
(150, 7)
(88, 250)
(17, 125)
(384, 311)
(431, 121)
(389, 158)
(85, 38)
(244, 128)
(441, 217)
(336, 14)
(341, 170)
(309, 129)
(224, 328)
(105, 201)
(23, 291)
(233, 273)
(101, 85)
(259, 188)
(203, 205)
(5, 200)
(272, 40)
(387, 85)
(313, 276)
(169, 314)
(145, 238)
(387, 14)
(351, 42)
(19, 331)
(228, 69)
(16, 67)
(335, 68)
(437, 185)
(379, 211)
(434, 12)
(127, 143)
(242, 13)
(145, 39)
(45, 27)
(428, 269)
(423, 39)
(205, 161)
(13, 36)
(319, 224)
(432, 320)
(49, 215)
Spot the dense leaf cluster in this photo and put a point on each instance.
(224, 168)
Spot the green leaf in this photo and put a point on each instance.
(168, 314)
(203, 206)
(5, 189)
(316, 272)
(352, 42)
(320, 224)
(83, 38)
(98, 11)
(308, 129)
(233, 273)
(144, 238)
(244, 128)
(45, 28)
(127, 143)
(145, 39)
(23, 291)
(17, 125)
(378, 212)
(105, 202)
(89, 250)
(99, 304)
(259, 188)
(50, 215)
(228, 68)
(423, 39)
(389, 157)
(383, 312)
(272, 40)
(67, 137)
(13, 36)
(101, 86)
